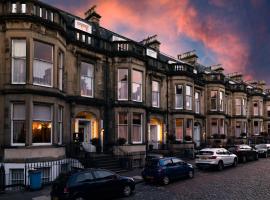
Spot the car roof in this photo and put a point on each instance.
(212, 149)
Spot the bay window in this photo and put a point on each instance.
(197, 102)
(42, 124)
(18, 61)
(189, 128)
(136, 136)
(60, 70)
(188, 97)
(221, 127)
(244, 107)
(136, 85)
(179, 96)
(60, 125)
(214, 126)
(87, 79)
(18, 122)
(123, 125)
(256, 127)
(213, 100)
(43, 64)
(155, 94)
(238, 129)
(221, 101)
(122, 84)
(179, 129)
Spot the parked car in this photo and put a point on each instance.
(164, 170)
(91, 183)
(263, 150)
(215, 157)
(244, 152)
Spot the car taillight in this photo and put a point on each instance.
(212, 157)
(66, 190)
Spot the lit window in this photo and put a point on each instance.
(197, 102)
(18, 131)
(14, 8)
(179, 129)
(213, 100)
(155, 94)
(60, 125)
(123, 125)
(179, 97)
(122, 84)
(136, 136)
(42, 124)
(18, 61)
(23, 8)
(60, 70)
(52, 17)
(136, 85)
(43, 64)
(87, 79)
(188, 97)
(40, 12)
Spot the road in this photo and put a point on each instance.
(247, 181)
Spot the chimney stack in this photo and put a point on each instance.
(217, 68)
(151, 42)
(92, 16)
(189, 57)
(236, 76)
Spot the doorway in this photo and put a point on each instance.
(197, 134)
(154, 136)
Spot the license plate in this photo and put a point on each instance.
(204, 158)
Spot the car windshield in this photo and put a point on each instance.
(206, 153)
(260, 146)
(151, 163)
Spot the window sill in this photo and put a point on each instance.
(48, 86)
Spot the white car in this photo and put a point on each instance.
(215, 157)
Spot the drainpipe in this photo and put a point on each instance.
(167, 106)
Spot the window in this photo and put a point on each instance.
(18, 131)
(238, 129)
(122, 84)
(17, 176)
(14, 8)
(238, 106)
(221, 126)
(60, 70)
(42, 124)
(256, 127)
(155, 94)
(179, 97)
(43, 64)
(244, 109)
(40, 12)
(221, 101)
(189, 128)
(136, 85)
(87, 79)
(268, 111)
(60, 125)
(188, 97)
(268, 128)
(45, 174)
(18, 61)
(123, 125)
(261, 108)
(179, 129)
(214, 126)
(23, 8)
(213, 100)
(136, 128)
(255, 109)
(197, 102)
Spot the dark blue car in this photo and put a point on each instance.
(163, 170)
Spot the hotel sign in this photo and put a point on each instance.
(83, 26)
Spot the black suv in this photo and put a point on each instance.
(244, 152)
(91, 184)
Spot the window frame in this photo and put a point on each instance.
(221, 100)
(189, 97)
(141, 129)
(179, 95)
(197, 102)
(216, 100)
(11, 128)
(119, 82)
(20, 58)
(60, 70)
(141, 85)
(92, 79)
(38, 143)
(175, 127)
(44, 61)
(60, 124)
(118, 124)
(157, 93)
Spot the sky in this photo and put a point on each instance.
(234, 33)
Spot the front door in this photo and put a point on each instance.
(85, 135)
(154, 136)
(197, 138)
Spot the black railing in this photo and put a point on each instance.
(18, 178)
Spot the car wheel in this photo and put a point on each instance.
(220, 166)
(244, 159)
(127, 190)
(191, 174)
(165, 180)
(235, 162)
